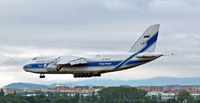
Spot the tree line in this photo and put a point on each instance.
(106, 95)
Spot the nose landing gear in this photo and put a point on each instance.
(42, 75)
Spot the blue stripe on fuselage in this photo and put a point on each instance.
(39, 65)
(89, 64)
(113, 63)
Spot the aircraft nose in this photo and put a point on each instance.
(26, 68)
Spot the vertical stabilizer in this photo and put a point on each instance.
(150, 35)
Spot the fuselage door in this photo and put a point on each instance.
(45, 65)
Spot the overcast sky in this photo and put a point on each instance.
(30, 28)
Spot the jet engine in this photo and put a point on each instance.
(52, 67)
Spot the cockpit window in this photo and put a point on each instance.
(34, 58)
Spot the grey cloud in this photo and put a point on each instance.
(37, 26)
(13, 61)
(29, 13)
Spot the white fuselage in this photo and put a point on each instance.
(99, 63)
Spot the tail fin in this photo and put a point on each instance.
(147, 42)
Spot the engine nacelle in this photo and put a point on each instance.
(52, 67)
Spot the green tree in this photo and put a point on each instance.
(2, 92)
(121, 95)
(42, 99)
(183, 95)
(2, 99)
(30, 99)
(93, 97)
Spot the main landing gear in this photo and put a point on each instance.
(86, 75)
(42, 75)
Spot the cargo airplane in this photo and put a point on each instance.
(94, 65)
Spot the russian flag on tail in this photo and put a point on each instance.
(146, 36)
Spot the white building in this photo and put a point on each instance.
(195, 95)
(154, 94)
(162, 95)
(166, 96)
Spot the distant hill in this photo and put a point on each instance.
(25, 85)
(159, 81)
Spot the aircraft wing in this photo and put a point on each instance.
(78, 61)
(71, 60)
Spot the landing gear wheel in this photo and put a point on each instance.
(42, 76)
